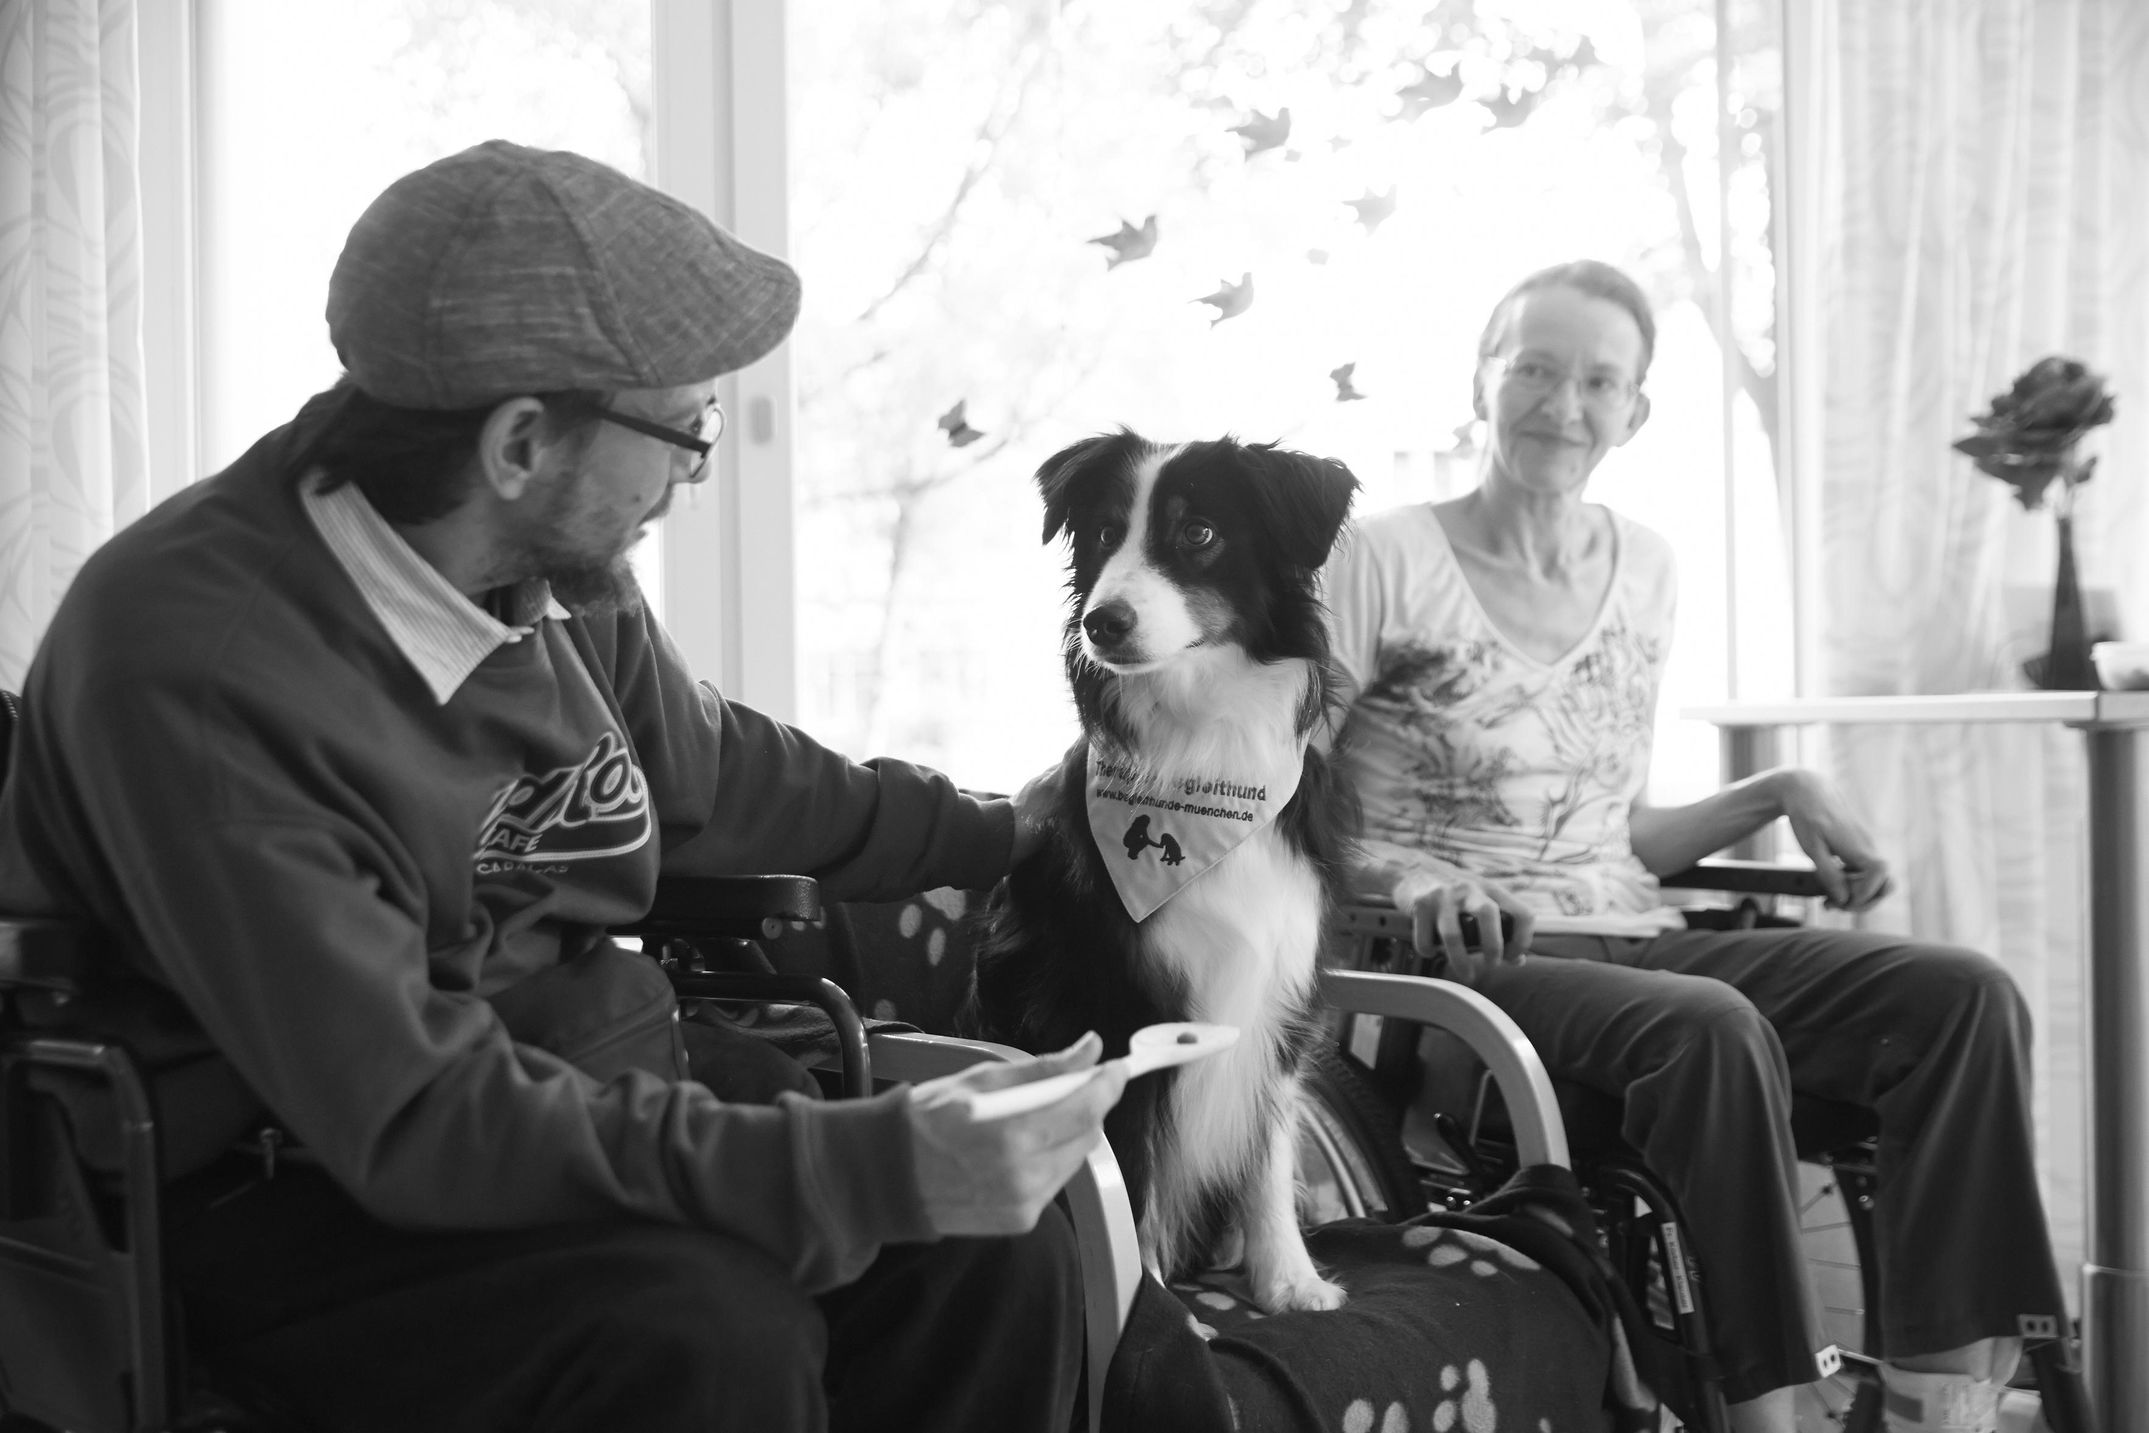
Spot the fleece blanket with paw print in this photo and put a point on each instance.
(1500, 1319)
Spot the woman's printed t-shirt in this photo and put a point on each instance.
(1463, 747)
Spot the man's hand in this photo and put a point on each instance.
(995, 1176)
(1851, 871)
(1035, 804)
(1438, 901)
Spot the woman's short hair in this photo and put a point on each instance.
(1593, 277)
(413, 464)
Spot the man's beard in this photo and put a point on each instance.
(586, 587)
(608, 590)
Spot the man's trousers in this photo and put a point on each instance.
(296, 1298)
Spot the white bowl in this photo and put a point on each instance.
(2121, 666)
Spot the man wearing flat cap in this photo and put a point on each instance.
(358, 747)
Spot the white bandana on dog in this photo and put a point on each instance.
(1156, 838)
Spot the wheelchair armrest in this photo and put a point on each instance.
(129, 1255)
(49, 953)
(746, 907)
(1096, 1197)
(756, 987)
(721, 916)
(1379, 921)
(110, 1064)
(1540, 1136)
(1747, 878)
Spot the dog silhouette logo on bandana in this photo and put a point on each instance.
(1158, 835)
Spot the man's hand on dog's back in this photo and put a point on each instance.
(995, 1176)
(1035, 805)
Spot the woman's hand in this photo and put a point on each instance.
(1851, 871)
(1437, 901)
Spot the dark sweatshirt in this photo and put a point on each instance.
(228, 761)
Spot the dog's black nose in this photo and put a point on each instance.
(1109, 623)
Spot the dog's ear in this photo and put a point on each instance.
(1306, 499)
(1060, 475)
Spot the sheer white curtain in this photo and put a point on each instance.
(73, 460)
(1978, 198)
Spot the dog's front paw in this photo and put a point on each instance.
(1309, 1292)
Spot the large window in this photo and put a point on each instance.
(1032, 212)
(1024, 210)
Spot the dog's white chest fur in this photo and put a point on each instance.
(1243, 940)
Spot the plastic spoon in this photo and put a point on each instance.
(1153, 1047)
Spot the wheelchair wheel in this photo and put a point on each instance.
(1850, 1398)
(1351, 1160)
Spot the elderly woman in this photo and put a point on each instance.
(1502, 654)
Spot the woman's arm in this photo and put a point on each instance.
(1851, 871)
(1671, 838)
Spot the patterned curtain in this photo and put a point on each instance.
(1981, 199)
(73, 455)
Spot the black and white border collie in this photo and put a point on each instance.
(1197, 647)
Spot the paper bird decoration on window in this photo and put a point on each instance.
(1508, 112)
(1265, 131)
(1346, 391)
(1129, 243)
(1430, 92)
(957, 426)
(1231, 300)
(1373, 208)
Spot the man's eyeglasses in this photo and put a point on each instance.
(700, 445)
(1534, 377)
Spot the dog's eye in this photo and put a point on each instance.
(1197, 535)
(1110, 535)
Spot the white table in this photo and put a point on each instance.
(2115, 729)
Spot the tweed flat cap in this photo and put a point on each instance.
(504, 270)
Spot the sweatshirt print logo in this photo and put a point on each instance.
(598, 807)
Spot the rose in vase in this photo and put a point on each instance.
(2027, 438)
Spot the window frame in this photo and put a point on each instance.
(1806, 31)
(717, 72)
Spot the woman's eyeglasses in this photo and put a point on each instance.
(699, 444)
(1537, 378)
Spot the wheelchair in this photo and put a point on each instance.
(92, 1340)
(1469, 1153)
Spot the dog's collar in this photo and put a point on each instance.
(1158, 835)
